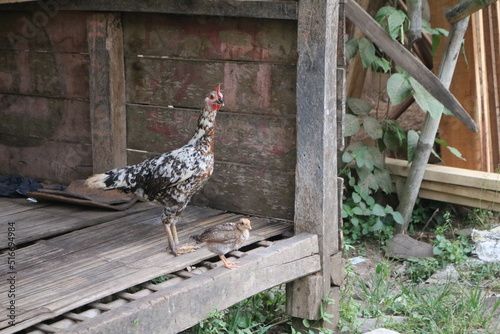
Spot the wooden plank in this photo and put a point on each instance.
(261, 269)
(255, 140)
(74, 269)
(316, 199)
(492, 35)
(107, 91)
(450, 175)
(44, 29)
(451, 130)
(210, 38)
(461, 200)
(47, 74)
(406, 60)
(29, 121)
(9, 206)
(271, 9)
(42, 221)
(248, 87)
(56, 161)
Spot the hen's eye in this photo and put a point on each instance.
(212, 97)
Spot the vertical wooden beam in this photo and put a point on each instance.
(107, 90)
(316, 199)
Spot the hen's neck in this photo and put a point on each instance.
(204, 135)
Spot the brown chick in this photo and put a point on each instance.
(226, 237)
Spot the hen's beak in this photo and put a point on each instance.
(220, 102)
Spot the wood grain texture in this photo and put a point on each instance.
(173, 309)
(281, 9)
(107, 91)
(74, 269)
(247, 87)
(316, 199)
(210, 38)
(255, 140)
(46, 29)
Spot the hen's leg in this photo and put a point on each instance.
(170, 221)
(228, 264)
(182, 249)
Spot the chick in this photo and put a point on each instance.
(226, 237)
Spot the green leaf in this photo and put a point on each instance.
(384, 12)
(351, 125)
(425, 100)
(391, 140)
(398, 88)
(351, 48)
(456, 153)
(384, 181)
(381, 64)
(358, 211)
(347, 157)
(367, 52)
(412, 142)
(373, 127)
(358, 106)
(395, 21)
(356, 198)
(378, 210)
(398, 217)
(378, 226)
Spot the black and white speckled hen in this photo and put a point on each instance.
(171, 179)
(224, 238)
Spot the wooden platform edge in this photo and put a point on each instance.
(183, 305)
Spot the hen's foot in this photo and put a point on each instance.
(183, 249)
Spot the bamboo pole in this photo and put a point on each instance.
(409, 194)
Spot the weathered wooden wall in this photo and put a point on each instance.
(176, 60)
(170, 60)
(44, 115)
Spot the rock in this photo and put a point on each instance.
(382, 331)
(371, 325)
(444, 276)
(487, 244)
(405, 247)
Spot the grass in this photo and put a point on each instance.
(456, 306)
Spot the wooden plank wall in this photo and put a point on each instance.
(44, 112)
(174, 60)
(475, 85)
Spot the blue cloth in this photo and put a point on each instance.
(17, 186)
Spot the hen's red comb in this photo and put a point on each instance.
(218, 89)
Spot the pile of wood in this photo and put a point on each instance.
(453, 185)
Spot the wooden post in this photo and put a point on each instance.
(316, 199)
(107, 91)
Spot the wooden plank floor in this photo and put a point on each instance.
(69, 256)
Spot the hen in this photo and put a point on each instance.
(172, 178)
(223, 238)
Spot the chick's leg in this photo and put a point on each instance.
(228, 264)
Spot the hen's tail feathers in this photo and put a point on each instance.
(97, 181)
(113, 179)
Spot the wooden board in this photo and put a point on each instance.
(50, 30)
(36, 221)
(107, 91)
(59, 274)
(182, 305)
(267, 141)
(279, 9)
(248, 87)
(210, 38)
